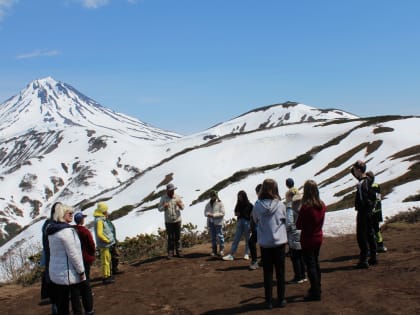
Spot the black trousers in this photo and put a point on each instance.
(298, 264)
(365, 236)
(274, 259)
(311, 258)
(252, 244)
(84, 291)
(174, 237)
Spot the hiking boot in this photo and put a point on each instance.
(281, 303)
(246, 257)
(228, 257)
(311, 297)
(296, 281)
(108, 280)
(254, 265)
(372, 261)
(381, 249)
(362, 265)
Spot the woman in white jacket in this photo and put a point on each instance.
(66, 268)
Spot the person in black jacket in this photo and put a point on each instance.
(243, 210)
(364, 204)
(47, 291)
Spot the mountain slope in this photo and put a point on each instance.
(80, 164)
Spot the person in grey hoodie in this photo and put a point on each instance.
(269, 214)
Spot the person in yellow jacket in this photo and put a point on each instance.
(104, 240)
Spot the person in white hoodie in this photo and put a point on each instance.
(66, 269)
(269, 214)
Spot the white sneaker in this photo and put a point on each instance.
(212, 254)
(228, 257)
(254, 266)
(221, 253)
(246, 257)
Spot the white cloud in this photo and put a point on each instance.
(93, 4)
(5, 5)
(38, 53)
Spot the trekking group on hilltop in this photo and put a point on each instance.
(275, 224)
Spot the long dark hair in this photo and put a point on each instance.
(311, 195)
(242, 199)
(269, 190)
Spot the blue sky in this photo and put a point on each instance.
(185, 65)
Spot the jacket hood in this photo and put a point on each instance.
(269, 206)
(54, 227)
(98, 213)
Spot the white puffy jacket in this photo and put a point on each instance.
(66, 260)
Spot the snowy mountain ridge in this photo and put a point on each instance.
(76, 151)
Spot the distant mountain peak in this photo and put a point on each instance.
(46, 104)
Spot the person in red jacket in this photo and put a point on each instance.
(88, 252)
(310, 222)
(86, 241)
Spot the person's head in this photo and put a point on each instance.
(63, 213)
(102, 207)
(213, 195)
(290, 183)
(170, 190)
(79, 218)
(370, 175)
(242, 197)
(258, 188)
(358, 169)
(269, 190)
(54, 206)
(311, 194)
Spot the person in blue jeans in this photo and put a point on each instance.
(243, 211)
(215, 213)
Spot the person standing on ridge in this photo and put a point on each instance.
(377, 214)
(243, 211)
(252, 242)
(171, 204)
(88, 252)
(104, 240)
(293, 203)
(269, 214)
(66, 268)
(215, 213)
(364, 204)
(310, 221)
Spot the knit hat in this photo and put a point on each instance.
(290, 183)
(78, 217)
(102, 207)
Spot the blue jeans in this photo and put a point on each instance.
(242, 228)
(216, 232)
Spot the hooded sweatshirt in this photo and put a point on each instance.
(66, 260)
(270, 217)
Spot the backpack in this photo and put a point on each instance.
(377, 209)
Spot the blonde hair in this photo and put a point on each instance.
(60, 211)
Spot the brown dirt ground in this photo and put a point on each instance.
(200, 284)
